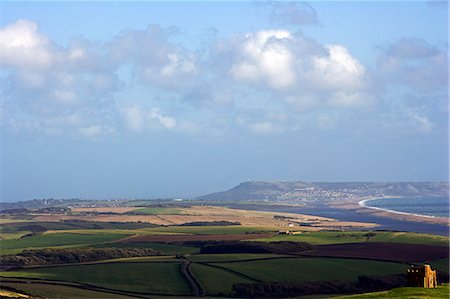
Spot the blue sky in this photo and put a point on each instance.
(178, 99)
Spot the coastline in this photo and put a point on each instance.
(363, 202)
(358, 205)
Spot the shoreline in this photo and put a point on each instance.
(357, 205)
(363, 204)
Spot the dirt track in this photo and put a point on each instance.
(383, 251)
(184, 238)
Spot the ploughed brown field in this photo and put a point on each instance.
(186, 238)
(382, 251)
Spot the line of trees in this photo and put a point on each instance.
(69, 256)
(282, 247)
(293, 289)
(210, 223)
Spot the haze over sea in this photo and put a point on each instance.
(427, 206)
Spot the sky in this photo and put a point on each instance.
(107, 100)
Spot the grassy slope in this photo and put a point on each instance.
(12, 236)
(441, 265)
(309, 269)
(139, 259)
(168, 230)
(57, 292)
(216, 281)
(68, 225)
(11, 294)
(355, 237)
(230, 257)
(55, 240)
(13, 219)
(164, 278)
(410, 238)
(229, 229)
(166, 249)
(410, 293)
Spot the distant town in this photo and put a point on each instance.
(283, 192)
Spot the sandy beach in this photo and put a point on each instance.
(360, 205)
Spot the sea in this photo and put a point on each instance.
(385, 223)
(424, 206)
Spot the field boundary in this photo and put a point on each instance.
(78, 285)
(230, 271)
(186, 271)
(86, 286)
(102, 262)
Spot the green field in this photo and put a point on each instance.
(137, 259)
(204, 230)
(442, 291)
(166, 249)
(55, 240)
(60, 291)
(320, 238)
(70, 225)
(311, 269)
(441, 265)
(139, 231)
(217, 273)
(153, 277)
(14, 219)
(16, 235)
(231, 257)
(217, 281)
(410, 238)
(168, 230)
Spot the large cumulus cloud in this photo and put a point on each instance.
(297, 69)
(141, 80)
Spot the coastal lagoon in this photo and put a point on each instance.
(385, 223)
(424, 206)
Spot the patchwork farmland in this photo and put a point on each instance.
(80, 258)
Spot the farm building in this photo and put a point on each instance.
(285, 232)
(289, 232)
(421, 276)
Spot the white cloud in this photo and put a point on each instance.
(175, 72)
(139, 119)
(419, 120)
(134, 117)
(165, 121)
(299, 71)
(415, 63)
(55, 89)
(265, 128)
(178, 65)
(76, 54)
(413, 114)
(245, 72)
(35, 65)
(263, 55)
(293, 13)
(342, 99)
(336, 71)
(154, 59)
(48, 86)
(23, 46)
